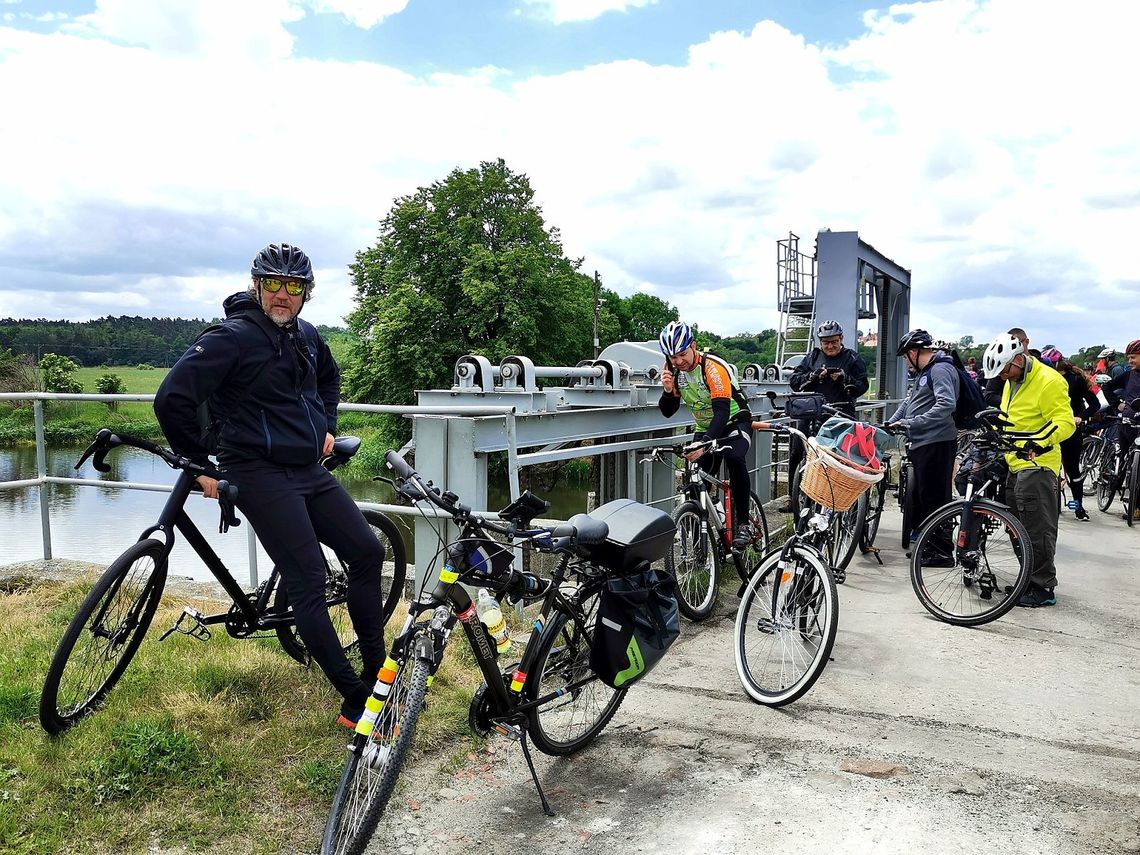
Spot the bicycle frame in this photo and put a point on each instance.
(173, 517)
(448, 603)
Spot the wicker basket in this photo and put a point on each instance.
(832, 481)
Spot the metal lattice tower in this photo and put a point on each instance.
(795, 290)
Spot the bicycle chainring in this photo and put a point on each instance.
(480, 712)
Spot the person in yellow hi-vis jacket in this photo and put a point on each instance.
(1034, 396)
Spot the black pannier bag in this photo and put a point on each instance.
(637, 622)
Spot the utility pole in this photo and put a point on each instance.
(597, 310)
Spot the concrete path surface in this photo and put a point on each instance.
(1022, 736)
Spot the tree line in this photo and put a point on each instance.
(122, 340)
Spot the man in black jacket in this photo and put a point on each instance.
(274, 386)
(832, 370)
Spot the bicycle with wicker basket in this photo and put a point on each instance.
(789, 608)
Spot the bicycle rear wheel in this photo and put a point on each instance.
(1106, 484)
(392, 578)
(694, 561)
(783, 637)
(103, 636)
(875, 501)
(971, 589)
(846, 530)
(584, 704)
(747, 558)
(374, 763)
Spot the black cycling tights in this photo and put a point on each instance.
(733, 451)
(293, 510)
(1071, 461)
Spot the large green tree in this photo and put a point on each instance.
(465, 265)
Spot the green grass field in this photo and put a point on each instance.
(218, 746)
(136, 382)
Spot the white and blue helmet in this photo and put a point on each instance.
(675, 338)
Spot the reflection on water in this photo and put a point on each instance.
(97, 524)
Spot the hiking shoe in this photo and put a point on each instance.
(1035, 597)
(1081, 514)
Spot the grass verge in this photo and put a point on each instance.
(231, 747)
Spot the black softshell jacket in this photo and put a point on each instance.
(281, 417)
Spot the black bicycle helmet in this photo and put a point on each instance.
(828, 329)
(914, 340)
(282, 259)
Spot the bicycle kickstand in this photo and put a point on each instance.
(199, 630)
(546, 809)
(874, 550)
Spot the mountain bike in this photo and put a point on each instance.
(704, 536)
(789, 609)
(972, 558)
(109, 626)
(551, 695)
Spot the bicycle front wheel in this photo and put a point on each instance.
(1090, 458)
(1133, 488)
(103, 636)
(392, 578)
(694, 561)
(578, 704)
(971, 587)
(906, 502)
(785, 627)
(746, 559)
(1106, 484)
(374, 763)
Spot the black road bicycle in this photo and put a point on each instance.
(972, 559)
(110, 624)
(551, 695)
(705, 532)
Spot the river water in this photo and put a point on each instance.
(97, 524)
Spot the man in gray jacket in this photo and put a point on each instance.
(928, 416)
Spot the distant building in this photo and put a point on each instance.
(870, 339)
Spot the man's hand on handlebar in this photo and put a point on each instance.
(694, 454)
(209, 486)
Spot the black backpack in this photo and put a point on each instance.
(970, 399)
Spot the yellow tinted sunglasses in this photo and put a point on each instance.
(292, 288)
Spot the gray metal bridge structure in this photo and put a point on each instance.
(604, 407)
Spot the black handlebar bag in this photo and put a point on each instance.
(637, 622)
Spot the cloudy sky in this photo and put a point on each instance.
(150, 147)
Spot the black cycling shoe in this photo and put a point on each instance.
(1081, 514)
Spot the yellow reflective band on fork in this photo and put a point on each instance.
(448, 576)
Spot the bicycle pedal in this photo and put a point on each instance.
(198, 630)
(508, 730)
(840, 575)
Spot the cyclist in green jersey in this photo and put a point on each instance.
(704, 382)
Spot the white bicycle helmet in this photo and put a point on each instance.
(1107, 353)
(1101, 379)
(1000, 353)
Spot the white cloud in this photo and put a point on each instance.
(981, 145)
(570, 11)
(363, 13)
